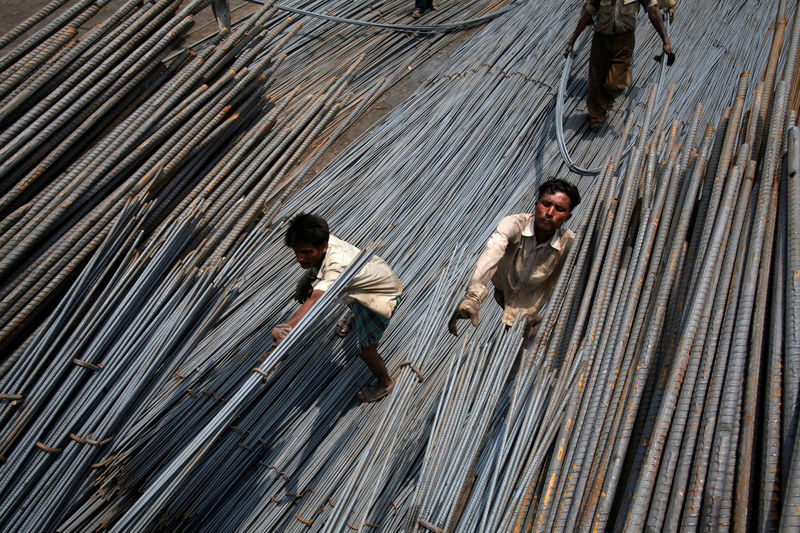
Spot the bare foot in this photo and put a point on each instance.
(374, 392)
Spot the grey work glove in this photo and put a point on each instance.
(280, 331)
(468, 308)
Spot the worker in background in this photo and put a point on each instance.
(612, 48)
(372, 295)
(523, 258)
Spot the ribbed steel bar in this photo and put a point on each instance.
(768, 194)
(792, 339)
(30, 22)
(464, 150)
(75, 15)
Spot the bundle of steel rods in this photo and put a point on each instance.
(147, 396)
(103, 139)
(104, 118)
(653, 412)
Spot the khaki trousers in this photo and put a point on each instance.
(609, 71)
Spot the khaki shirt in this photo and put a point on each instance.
(524, 271)
(375, 287)
(615, 16)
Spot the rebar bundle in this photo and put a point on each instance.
(143, 266)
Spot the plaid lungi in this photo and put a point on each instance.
(369, 324)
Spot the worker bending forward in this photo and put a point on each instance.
(371, 295)
(523, 258)
(612, 48)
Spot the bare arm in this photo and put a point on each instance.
(583, 22)
(300, 313)
(654, 14)
(280, 331)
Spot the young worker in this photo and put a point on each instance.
(523, 258)
(371, 296)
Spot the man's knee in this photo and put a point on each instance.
(617, 81)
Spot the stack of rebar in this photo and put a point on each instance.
(661, 393)
(100, 118)
(100, 137)
(147, 396)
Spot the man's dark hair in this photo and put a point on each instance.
(307, 229)
(554, 185)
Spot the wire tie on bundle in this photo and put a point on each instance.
(430, 527)
(87, 364)
(306, 522)
(87, 440)
(416, 370)
(12, 397)
(48, 449)
(104, 462)
(259, 371)
(370, 524)
(275, 468)
(301, 494)
(351, 526)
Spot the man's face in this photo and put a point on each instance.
(552, 210)
(310, 256)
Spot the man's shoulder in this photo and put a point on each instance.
(340, 246)
(339, 253)
(515, 223)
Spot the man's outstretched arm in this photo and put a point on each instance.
(280, 331)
